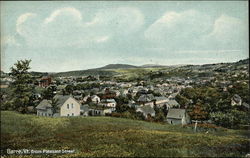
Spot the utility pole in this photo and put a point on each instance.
(195, 126)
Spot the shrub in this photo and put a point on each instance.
(115, 114)
(232, 119)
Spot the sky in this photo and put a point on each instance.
(64, 36)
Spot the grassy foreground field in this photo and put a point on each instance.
(106, 136)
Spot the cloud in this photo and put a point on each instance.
(197, 31)
(72, 12)
(66, 27)
(227, 32)
(9, 41)
(102, 39)
(21, 21)
(178, 29)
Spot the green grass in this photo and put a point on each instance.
(107, 136)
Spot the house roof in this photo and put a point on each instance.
(160, 98)
(43, 104)
(108, 101)
(146, 109)
(61, 99)
(61, 86)
(176, 113)
(173, 95)
(236, 98)
(47, 103)
(246, 105)
(146, 98)
(93, 96)
(172, 103)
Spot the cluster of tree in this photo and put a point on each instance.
(212, 103)
(160, 113)
(83, 86)
(21, 97)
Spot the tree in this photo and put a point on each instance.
(198, 113)
(165, 110)
(21, 87)
(54, 105)
(69, 89)
(159, 117)
(48, 93)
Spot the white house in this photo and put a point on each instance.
(236, 100)
(86, 98)
(108, 103)
(178, 116)
(67, 106)
(95, 99)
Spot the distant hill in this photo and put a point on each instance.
(113, 69)
(152, 65)
(118, 66)
(93, 72)
(33, 73)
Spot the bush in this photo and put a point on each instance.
(232, 119)
(115, 114)
(127, 115)
(159, 117)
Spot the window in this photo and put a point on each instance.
(72, 105)
(68, 115)
(45, 114)
(67, 106)
(72, 114)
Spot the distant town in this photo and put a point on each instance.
(171, 94)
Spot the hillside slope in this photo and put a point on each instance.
(118, 66)
(115, 69)
(106, 136)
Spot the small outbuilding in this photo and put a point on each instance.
(178, 117)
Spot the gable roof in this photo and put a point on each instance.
(94, 96)
(173, 95)
(236, 98)
(160, 98)
(172, 103)
(176, 113)
(61, 99)
(43, 104)
(146, 98)
(146, 109)
(47, 103)
(108, 101)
